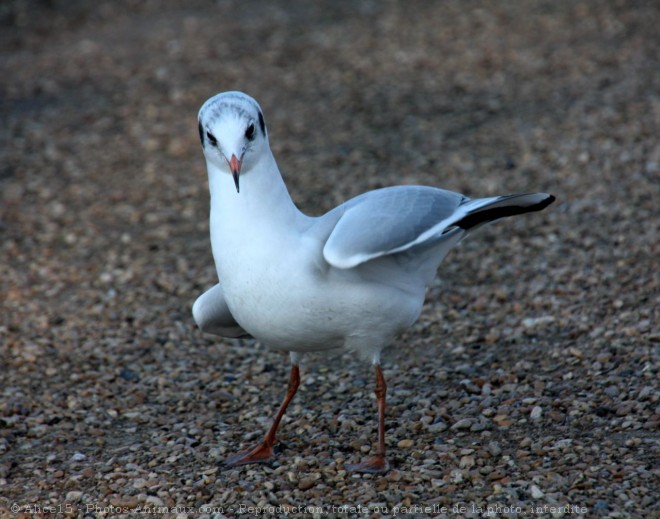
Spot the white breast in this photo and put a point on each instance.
(284, 294)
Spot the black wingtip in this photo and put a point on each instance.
(495, 213)
(545, 203)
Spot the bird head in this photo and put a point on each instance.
(233, 133)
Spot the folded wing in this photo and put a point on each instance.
(392, 220)
(212, 315)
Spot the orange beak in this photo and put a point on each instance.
(235, 167)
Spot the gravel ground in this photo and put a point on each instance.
(529, 382)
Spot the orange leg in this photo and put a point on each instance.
(376, 464)
(264, 451)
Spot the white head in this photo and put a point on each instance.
(233, 133)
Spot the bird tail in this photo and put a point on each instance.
(483, 210)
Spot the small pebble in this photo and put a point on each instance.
(536, 492)
(456, 476)
(494, 448)
(466, 462)
(154, 500)
(73, 496)
(464, 423)
(306, 483)
(437, 427)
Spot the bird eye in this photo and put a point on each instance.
(212, 138)
(249, 133)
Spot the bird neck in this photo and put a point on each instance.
(263, 200)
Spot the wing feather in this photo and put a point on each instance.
(387, 221)
(212, 314)
(392, 220)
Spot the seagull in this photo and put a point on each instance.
(354, 278)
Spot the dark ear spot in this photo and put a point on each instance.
(201, 132)
(262, 124)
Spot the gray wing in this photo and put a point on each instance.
(388, 220)
(391, 220)
(212, 315)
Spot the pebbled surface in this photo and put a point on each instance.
(527, 382)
